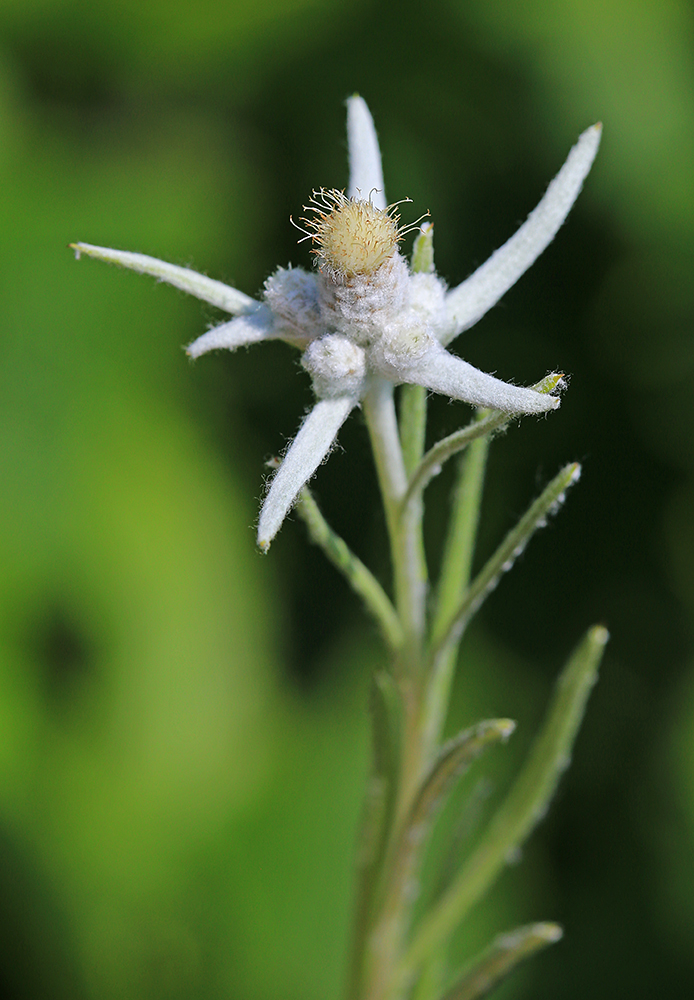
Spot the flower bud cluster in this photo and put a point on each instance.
(292, 295)
(362, 311)
(362, 316)
(336, 365)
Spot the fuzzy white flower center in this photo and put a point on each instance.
(351, 236)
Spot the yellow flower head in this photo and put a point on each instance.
(351, 236)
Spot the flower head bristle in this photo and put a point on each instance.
(350, 235)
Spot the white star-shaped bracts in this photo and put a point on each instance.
(356, 323)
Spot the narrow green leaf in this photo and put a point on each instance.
(488, 970)
(361, 579)
(429, 983)
(523, 808)
(413, 398)
(422, 260)
(413, 419)
(387, 715)
(489, 423)
(453, 760)
(502, 560)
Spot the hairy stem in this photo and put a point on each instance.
(410, 582)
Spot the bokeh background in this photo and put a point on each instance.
(183, 724)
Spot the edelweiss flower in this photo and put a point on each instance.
(361, 317)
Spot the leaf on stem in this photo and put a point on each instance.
(525, 805)
(458, 552)
(406, 851)
(487, 422)
(422, 261)
(502, 560)
(215, 292)
(387, 728)
(361, 579)
(387, 711)
(413, 398)
(413, 420)
(453, 760)
(429, 983)
(489, 969)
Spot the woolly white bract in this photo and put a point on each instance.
(359, 323)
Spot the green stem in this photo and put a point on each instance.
(454, 580)
(410, 581)
(377, 820)
(382, 936)
(413, 424)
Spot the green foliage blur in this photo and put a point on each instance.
(183, 723)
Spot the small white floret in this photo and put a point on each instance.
(292, 295)
(336, 365)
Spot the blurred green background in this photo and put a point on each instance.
(183, 732)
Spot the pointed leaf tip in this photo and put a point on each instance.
(598, 634)
(365, 169)
(506, 728)
(215, 292)
(506, 952)
(547, 385)
(306, 452)
(467, 303)
(454, 758)
(423, 250)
